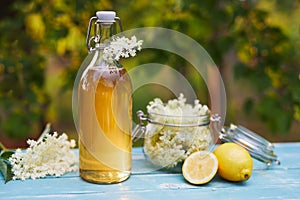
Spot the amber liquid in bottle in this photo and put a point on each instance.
(105, 125)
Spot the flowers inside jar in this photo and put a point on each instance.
(175, 130)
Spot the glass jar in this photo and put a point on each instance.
(168, 140)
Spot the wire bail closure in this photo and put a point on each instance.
(95, 20)
(140, 129)
(259, 148)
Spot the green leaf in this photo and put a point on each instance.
(6, 154)
(5, 169)
(5, 166)
(297, 112)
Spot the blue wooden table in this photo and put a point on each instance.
(276, 182)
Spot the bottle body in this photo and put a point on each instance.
(104, 119)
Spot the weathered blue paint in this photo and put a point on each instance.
(276, 182)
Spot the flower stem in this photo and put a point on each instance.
(46, 130)
(2, 147)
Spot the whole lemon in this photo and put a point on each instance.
(234, 162)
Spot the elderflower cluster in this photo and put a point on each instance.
(50, 155)
(166, 145)
(121, 47)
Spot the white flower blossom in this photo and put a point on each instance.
(121, 47)
(50, 155)
(166, 146)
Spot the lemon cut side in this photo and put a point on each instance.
(200, 167)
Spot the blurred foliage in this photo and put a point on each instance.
(263, 51)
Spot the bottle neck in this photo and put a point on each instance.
(105, 32)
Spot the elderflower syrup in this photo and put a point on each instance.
(105, 107)
(105, 148)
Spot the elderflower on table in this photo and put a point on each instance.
(50, 155)
(166, 146)
(121, 47)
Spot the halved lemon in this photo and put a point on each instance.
(200, 167)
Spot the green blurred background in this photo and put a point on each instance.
(255, 44)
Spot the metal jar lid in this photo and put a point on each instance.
(258, 147)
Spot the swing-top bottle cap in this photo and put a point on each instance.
(106, 16)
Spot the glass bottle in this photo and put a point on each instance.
(104, 110)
